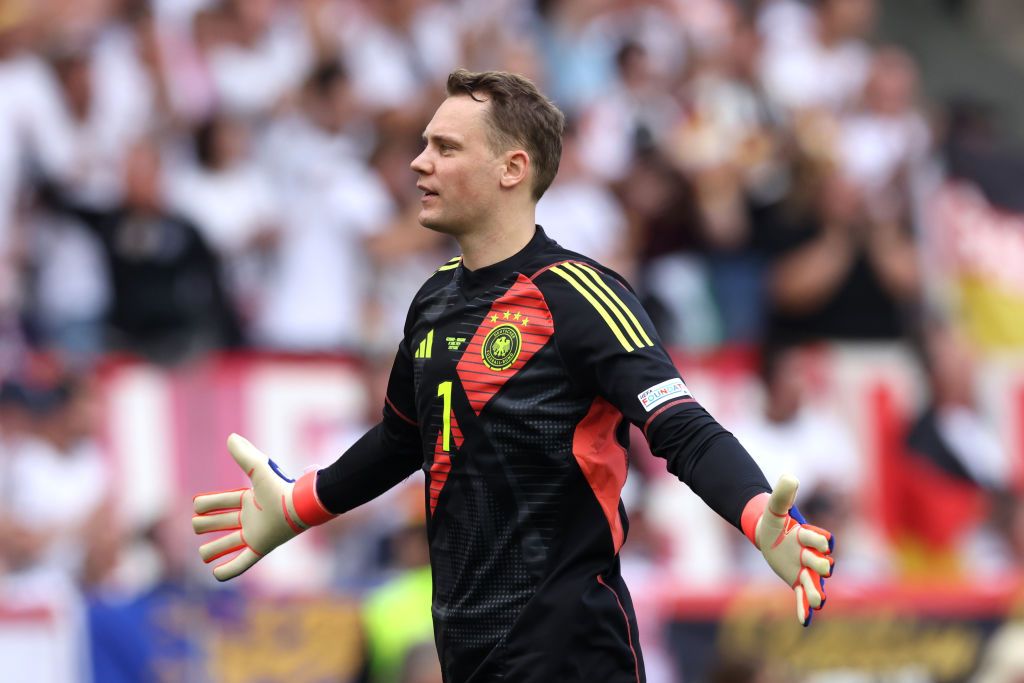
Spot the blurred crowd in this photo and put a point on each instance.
(183, 176)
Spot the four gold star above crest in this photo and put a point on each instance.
(505, 315)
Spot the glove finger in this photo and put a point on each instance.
(219, 547)
(245, 454)
(812, 539)
(222, 521)
(783, 496)
(810, 581)
(219, 501)
(815, 561)
(236, 565)
(803, 609)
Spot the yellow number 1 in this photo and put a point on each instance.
(444, 389)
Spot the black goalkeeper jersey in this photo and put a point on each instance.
(513, 390)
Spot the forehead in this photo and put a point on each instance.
(460, 115)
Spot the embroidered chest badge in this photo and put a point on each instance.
(501, 347)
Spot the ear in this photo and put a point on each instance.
(515, 169)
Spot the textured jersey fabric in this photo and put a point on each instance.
(513, 389)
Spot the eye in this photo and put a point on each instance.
(445, 148)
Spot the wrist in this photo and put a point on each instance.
(752, 512)
(307, 504)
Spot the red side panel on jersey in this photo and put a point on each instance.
(442, 464)
(603, 461)
(523, 308)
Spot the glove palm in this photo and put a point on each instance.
(799, 553)
(272, 511)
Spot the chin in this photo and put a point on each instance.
(437, 224)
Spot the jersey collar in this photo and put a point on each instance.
(474, 281)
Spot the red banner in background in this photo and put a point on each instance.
(165, 429)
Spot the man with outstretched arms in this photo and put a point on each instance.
(522, 366)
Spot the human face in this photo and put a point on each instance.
(459, 174)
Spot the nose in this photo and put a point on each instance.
(421, 163)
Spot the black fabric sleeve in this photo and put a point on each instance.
(370, 467)
(610, 345)
(385, 455)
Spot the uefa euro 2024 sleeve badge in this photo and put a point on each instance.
(501, 347)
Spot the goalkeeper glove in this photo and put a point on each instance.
(799, 553)
(275, 509)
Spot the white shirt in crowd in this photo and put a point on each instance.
(331, 203)
(56, 493)
(253, 79)
(230, 207)
(32, 132)
(874, 148)
(386, 65)
(814, 443)
(583, 216)
(798, 71)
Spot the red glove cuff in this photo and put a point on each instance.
(307, 505)
(752, 514)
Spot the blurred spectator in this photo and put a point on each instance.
(953, 465)
(887, 138)
(168, 299)
(398, 50)
(815, 53)
(231, 201)
(581, 213)
(837, 270)
(71, 292)
(258, 52)
(793, 434)
(31, 127)
(727, 141)
(397, 616)
(56, 459)
(633, 113)
(661, 207)
(578, 50)
(332, 202)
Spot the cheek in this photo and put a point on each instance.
(470, 184)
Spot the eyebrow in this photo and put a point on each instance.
(437, 138)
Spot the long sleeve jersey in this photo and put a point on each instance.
(513, 390)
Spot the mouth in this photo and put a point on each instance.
(427, 192)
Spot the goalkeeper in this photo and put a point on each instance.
(521, 369)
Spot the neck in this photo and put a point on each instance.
(483, 248)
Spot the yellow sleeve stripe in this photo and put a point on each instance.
(582, 274)
(451, 264)
(601, 283)
(595, 303)
(430, 342)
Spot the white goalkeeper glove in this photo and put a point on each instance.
(274, 510)
(799, 553)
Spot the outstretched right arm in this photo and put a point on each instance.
(275, 508)
(385, 455)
